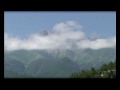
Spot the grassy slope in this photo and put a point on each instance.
(47, 67)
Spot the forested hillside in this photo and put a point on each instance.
(105, 71)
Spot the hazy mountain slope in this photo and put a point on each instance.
(52, 69)
(13, 68)
(85, 58)
(27, 56)
(36, 65)
(95, 58)
(89, 57)
(10, 74)
(43, 64)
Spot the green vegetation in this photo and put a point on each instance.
(52, 69)
(105, 71)
(11, 74)
(41, 64)
(26, 56)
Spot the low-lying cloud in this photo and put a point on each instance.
(64, 36)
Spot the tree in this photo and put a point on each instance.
(106, 70)
(104, 67)
(74, 75)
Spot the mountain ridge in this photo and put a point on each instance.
(57, 62)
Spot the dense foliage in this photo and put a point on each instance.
(105, 71)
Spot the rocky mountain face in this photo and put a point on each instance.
(55, 51)
(45, 32)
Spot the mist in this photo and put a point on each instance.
(65, 34)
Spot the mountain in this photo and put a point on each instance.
(41, 64)
(41, 68)
(88, 57)
(26, 56)
(54, 63)
(45, 32)
(13, 68)
(52, 69)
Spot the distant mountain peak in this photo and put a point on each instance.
(43, 32)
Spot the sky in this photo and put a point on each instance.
(20, 30)
(102, 24)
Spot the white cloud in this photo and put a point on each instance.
(98, 43)
(67, 33)
(62, 27)
(74, 24)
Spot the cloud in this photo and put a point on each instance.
(67, 27)
(97, 44)
(65, 34)
(74, 24)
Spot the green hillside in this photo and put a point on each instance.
(51, 69)
(41, 64)
(105, 71)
